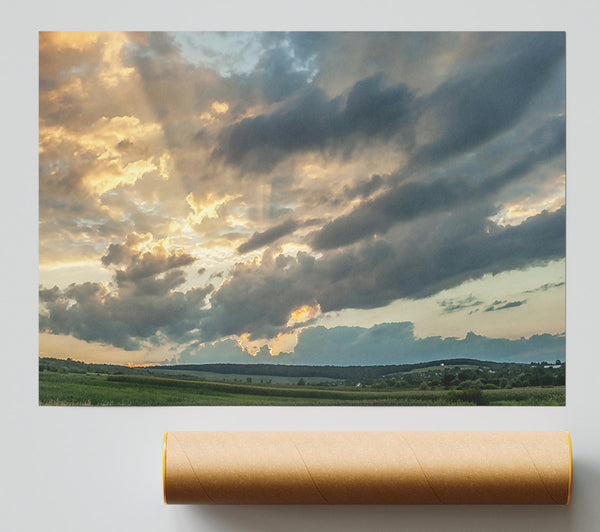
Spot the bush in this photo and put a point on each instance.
(469, 395)
(465, 385)
(491, 386)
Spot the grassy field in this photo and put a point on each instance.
(239, 377)
(66, 389)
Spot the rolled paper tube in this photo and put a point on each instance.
(367, 467)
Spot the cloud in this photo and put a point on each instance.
(453, 248)
(407, 201)
(258, 297)
(49, 295)
(454, 305)
(145, 306)
(460, 114)
(91, 312)
(365, 188)
(225, 351)
(171, 86)
(311, 121)
(142, 267)
(470, 110)
(400, 151)
(501, 305)
(280, 74)
(395, 343)
(258, 240)
(545, 287)
(151, 263)
(385, 343)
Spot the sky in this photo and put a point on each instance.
(303, 198)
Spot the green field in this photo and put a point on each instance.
(66, 389)
(239, 377)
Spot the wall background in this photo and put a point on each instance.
(96, 469)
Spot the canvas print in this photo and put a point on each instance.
(305, 218)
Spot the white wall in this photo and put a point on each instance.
(97, 469)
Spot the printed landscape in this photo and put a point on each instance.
(302, 218)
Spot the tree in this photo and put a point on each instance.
(447, 378)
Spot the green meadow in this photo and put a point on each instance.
(69, 383)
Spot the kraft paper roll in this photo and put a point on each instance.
(367, 467)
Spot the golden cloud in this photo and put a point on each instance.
(282, 343)
(104, 140)
(303, 314)
(220, 107)
(206, 207)
(517, 212)
(109, 44)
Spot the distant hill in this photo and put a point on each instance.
(332, 372)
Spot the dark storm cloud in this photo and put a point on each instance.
(365, 188)
(121, 253)
(143, 264)
(90, 312)
(258, 240)
(258, 298)
(492, 249)
(145, 306)
(150, 264)
(312, 121)
(466, 110)
(87, 318)
(484, 103)
(439, 258)
(49, 295)
(287, 64)
(501, 305)
(410, 200)
(150, 284)
(280, 76)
